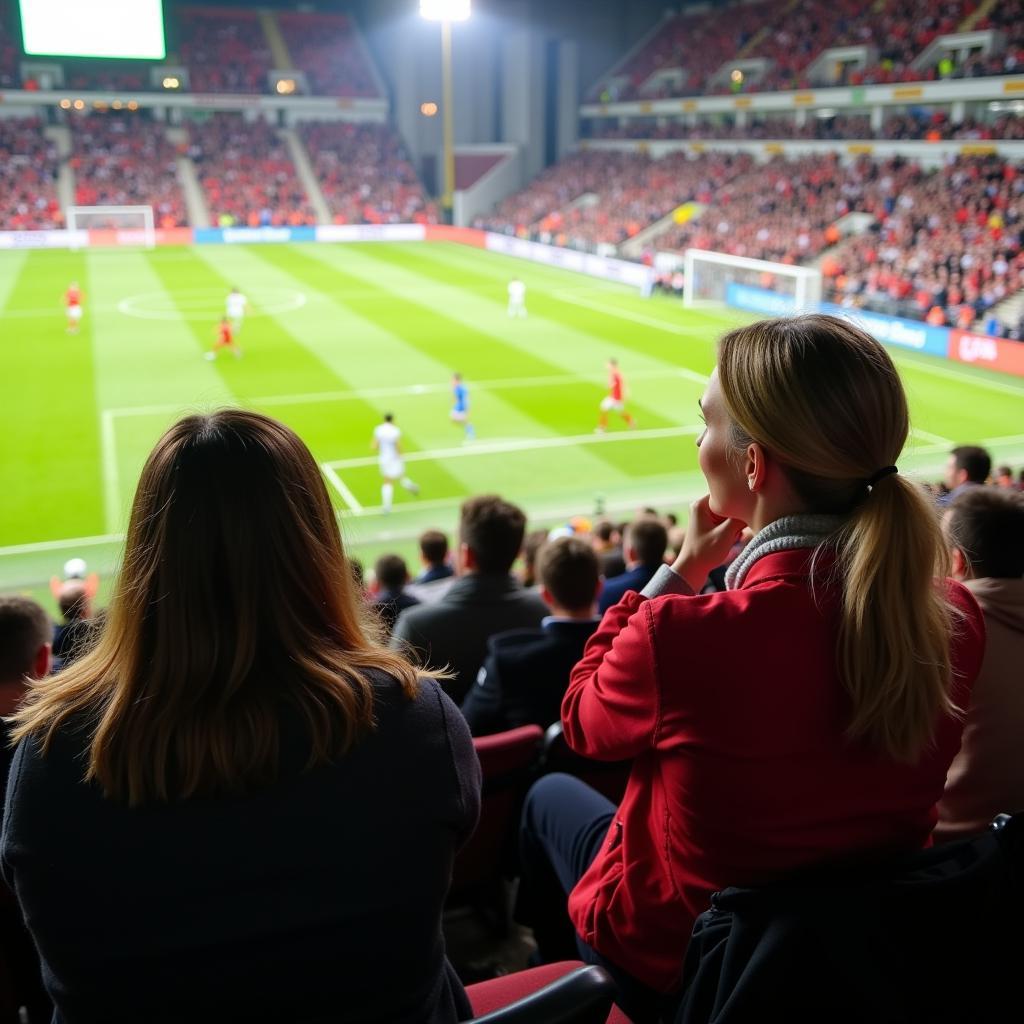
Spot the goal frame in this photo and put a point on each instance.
(807, 291)
(148, 221)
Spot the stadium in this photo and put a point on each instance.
(389, 390)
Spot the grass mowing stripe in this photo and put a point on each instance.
(48, 413)
(694, 349)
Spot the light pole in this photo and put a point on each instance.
(447, 11)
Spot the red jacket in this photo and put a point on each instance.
(731, 705)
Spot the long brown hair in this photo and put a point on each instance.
(826, 400)
(235, 601)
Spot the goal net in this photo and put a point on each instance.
(134, 224)
(775, 289)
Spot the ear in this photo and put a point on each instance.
(546, 596)
(467, 559)
(600, 588)
(92, 585)
(55, 588)
(755, 466)
(961, 567)
(42, 661)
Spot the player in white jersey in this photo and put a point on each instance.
(516, 297)
(386, 438)
(235, 305)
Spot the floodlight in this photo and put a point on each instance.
(445, 10)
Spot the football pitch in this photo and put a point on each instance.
(339, 334)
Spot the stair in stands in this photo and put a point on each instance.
(188, 179)
(978, 14)
(306, 175)
(1009, 311)
(275, 40)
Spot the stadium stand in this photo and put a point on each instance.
(246, 173)
(789, 36)
(326, 47)
(9, 51)
(126, 160)
(365, 175)
(28, 175)
(224, 49)
(603, 198)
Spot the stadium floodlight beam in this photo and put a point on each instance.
(447, 11)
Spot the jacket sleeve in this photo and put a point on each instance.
(481, 707)
(612, 708)
(465, 764)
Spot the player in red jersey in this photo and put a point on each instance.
(73, 305)
(615, 399)
(225, 339)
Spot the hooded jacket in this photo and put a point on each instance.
(987, 775)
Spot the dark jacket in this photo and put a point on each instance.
(930, 938)
(616, 588)
(525, 676)
(454, 631)
(390, 604)
(318, 899)
(435, 572)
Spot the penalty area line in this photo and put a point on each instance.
(342, 488)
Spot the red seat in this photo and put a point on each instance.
(563, 993)
(507, 760)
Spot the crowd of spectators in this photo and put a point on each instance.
(365, 174)
(224, 49)
(603, 198)
(948, 245)
(915, 125)
(246, 173)
(327, 48)
(28, 176)
(790, 37)
(126, 160)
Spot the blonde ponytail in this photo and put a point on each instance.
(826, 400)
(893, 653)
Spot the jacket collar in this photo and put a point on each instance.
(794, 563)
(482, 584)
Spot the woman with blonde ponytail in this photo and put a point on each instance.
(806, 714)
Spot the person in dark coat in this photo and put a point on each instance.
(524, 678)
(644, 547)
(485, 599)
(236, 805)
(391, 598)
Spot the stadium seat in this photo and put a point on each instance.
(507, 761)
(562, 993)
(607, 777)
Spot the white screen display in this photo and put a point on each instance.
(94, 28)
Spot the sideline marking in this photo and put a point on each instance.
(111, 474)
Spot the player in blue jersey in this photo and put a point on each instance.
(460, 409)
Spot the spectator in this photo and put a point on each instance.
(391, 599)
(25, 654)
(608, 545)
(25, 632)
(224, 793)
(484, 600)
(645, 544)
(1004, 478)
(434, 556)
(807, 714)
(534, 541)
(526, 672)
(72, 635)
(968, 466)
(985, 530)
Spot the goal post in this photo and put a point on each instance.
(760, 286)
(135, 224)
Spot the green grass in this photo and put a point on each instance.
(338, 335)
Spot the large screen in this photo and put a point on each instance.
(94, 28)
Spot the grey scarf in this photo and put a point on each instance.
(785, 534)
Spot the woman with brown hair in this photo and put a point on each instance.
(806, 714)
(238, 805)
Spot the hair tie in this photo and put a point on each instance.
(881, 475)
